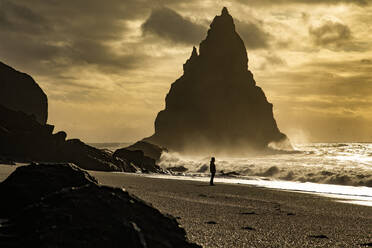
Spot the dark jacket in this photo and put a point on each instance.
(212, 167)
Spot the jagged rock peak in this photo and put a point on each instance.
(194, 52)
(225, 11)
(190, 61)
(224, 21)
(223, 48)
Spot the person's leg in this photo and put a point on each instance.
(212, 177)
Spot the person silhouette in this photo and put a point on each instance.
(212, 169)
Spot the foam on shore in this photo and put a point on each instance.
(342, 193)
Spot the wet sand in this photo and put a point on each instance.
(230, 215)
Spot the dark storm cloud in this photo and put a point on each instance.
(252, 34)
(15, 18)
(168, 24)
(11, 10)
(311, 2)
(340, 79)
(48, 37)
(331, 34)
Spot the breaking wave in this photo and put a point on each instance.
(330, 163)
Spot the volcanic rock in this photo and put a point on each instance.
(149, 150)
(80, 213)
(138, 159)
(18, 91)
(23, 139)
(96, 216)
(88, 157)
(215, 105)
(25, 136)
(180, 168)
(27, 184)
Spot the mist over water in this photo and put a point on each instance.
(330, 163)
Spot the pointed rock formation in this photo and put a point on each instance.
(18, 91)
(215, 105)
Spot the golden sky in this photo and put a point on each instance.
(106, 66)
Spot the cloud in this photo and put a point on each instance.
(252, 34)
(332, 35)
(272, 60)
(14, 17)
(345, 80)
(48, 38)
(168, 24)
(309, 2)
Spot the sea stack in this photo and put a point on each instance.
(215, 106)
(19, 92)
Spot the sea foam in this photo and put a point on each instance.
(327, 163)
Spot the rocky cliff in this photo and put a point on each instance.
(23, 139)
(18, 91)
(215, 105)
(25, 136)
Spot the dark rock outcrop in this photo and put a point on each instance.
(80, 213)
(25, 136)
(215, 106)
(23, 139)
(27, 184)
(88, 157)
(18, 91)
(138, 159)
(178, 169)
(149, 150)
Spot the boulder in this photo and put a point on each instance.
(27, 184)
(216, 106)
(149, 150)
(180, 168)
(96, 216)
(80, 213)
(138, 159)
(18, 91)
(88, 157)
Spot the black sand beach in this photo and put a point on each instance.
(228, 215)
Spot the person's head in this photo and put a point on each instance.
(212, 159)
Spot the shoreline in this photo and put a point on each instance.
(359, 195)
(237, 215)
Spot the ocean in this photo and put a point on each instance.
(331, 163)
(341, 170)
